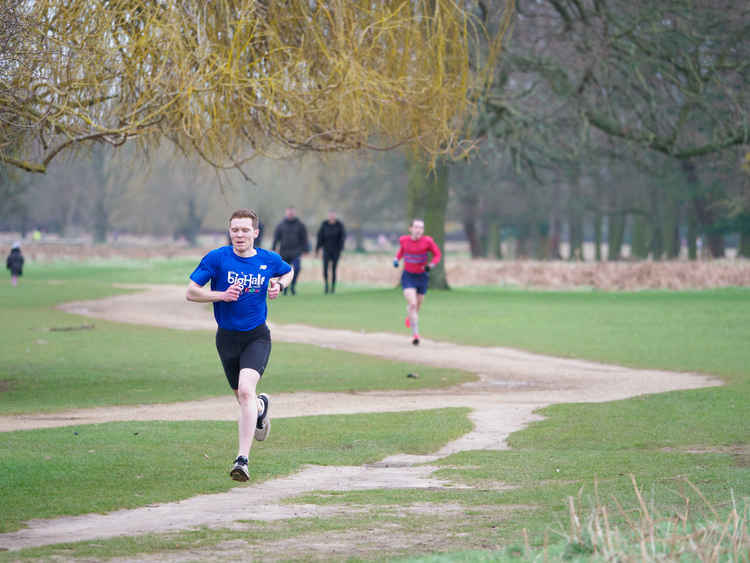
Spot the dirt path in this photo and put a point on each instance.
(511, 386)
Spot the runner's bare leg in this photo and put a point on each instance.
(248, 409)
(412, 308)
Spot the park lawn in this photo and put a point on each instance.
(115, 270)
(687, 452)
(654, 437)
(104, 467)
(52, 360)
(704, 331)
(663, 440)
(539, 483)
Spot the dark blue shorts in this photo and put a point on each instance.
(417, 281)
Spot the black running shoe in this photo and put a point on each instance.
(416, 340)
(239, 471)
(263, 425)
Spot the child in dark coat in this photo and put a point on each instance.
(14, 263)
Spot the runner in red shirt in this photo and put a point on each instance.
(415, 278)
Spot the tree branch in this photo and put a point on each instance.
(740, 136)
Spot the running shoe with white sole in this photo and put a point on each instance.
(239, 471)
(263, 426)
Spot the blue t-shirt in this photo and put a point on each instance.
(224, 268)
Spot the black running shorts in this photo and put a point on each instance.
(240, 349)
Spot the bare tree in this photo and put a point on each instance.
(656, 77)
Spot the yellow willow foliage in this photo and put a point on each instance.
(234, 78)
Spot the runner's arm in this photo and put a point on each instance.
(436, 254)
(203, 294)
(286, 279)
(342, 237)
(399, 254)
(319, 238)
(275, 285)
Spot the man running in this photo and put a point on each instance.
(413, 248)
(241, 277)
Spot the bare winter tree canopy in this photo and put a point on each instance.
(233, 78)
(670, 76)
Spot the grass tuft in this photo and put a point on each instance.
(691, 533)
(704, 533)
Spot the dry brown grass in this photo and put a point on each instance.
(692, 533)
(602, 275)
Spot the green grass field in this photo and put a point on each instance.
(103, 467)
(654, 437)
(685, 331)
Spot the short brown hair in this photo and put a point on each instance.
(242, 213)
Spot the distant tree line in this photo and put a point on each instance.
(607, 121)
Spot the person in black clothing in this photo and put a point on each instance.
(331, 237)
(14, 263)
(291, 238)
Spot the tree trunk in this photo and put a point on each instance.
(469, 214)
(704, 212)
(641, 237)
(541, 242)
(191, 223)
(553, 243)
(705, 216)
(494, 248)
(99, 168)
(427, 197)
(25, 221)
(575, 234)
(692, 235)
(615, 235)
(359, 238)
(743, 248)
(743, 222)
(524, 241)
(73, 208)
(671, 230)
(598, 236)
(101, 219)
(657, 236)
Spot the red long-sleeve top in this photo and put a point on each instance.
(414, 253)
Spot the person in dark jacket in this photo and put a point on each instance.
(331, 237)
(290, 237)
(14, 263)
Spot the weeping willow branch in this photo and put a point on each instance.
(239, 77)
